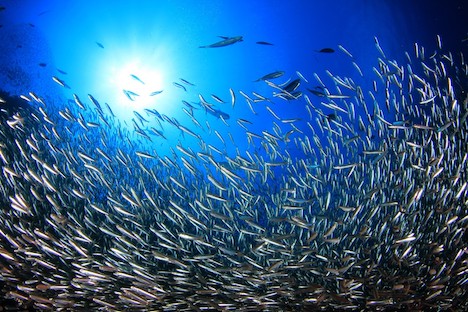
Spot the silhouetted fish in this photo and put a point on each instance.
(315, 92)
(272, 75)
(227, 41)
(178, 85)
(130, 94)
(186, 82)
(136, 78)
(292, 86)
(264, 43)
(326, 50)
(156, 93)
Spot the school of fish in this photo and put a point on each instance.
(373, 216)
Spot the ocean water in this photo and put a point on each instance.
(131, 147)
(158, 42)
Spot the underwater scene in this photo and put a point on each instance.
(233, 155)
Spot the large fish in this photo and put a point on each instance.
(225, 42)
(273, 75)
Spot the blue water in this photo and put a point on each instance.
(100, 44)
(110, 48)
(96, 47)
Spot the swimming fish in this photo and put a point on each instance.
(130, 94)
(136, 78)
(326, 50)
(186, 82)
(178, 85)
(156, 93)
(264, 43)
(316, 92)
(292, 86)
(225, 42)
(61, 71)
(352, 201)
(60, 82)
(217, 99)
(217, 113)
(273, 75)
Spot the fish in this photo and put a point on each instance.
(188, 131)
(326, 50)
(156, 93)
(316, 92)
(233, 97)
(264, 43)
(95, 102)
(130, 94)
(273, 75)
(225, 42)
(358, 203)
(189, 105)
(136, 78)
(292, 86)
(61, 71)
(186, 82)
(138, 115)
(153, 112)
(178, 85)
(60, 82)
(217, 99)
(344, 50)
(301, 76)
